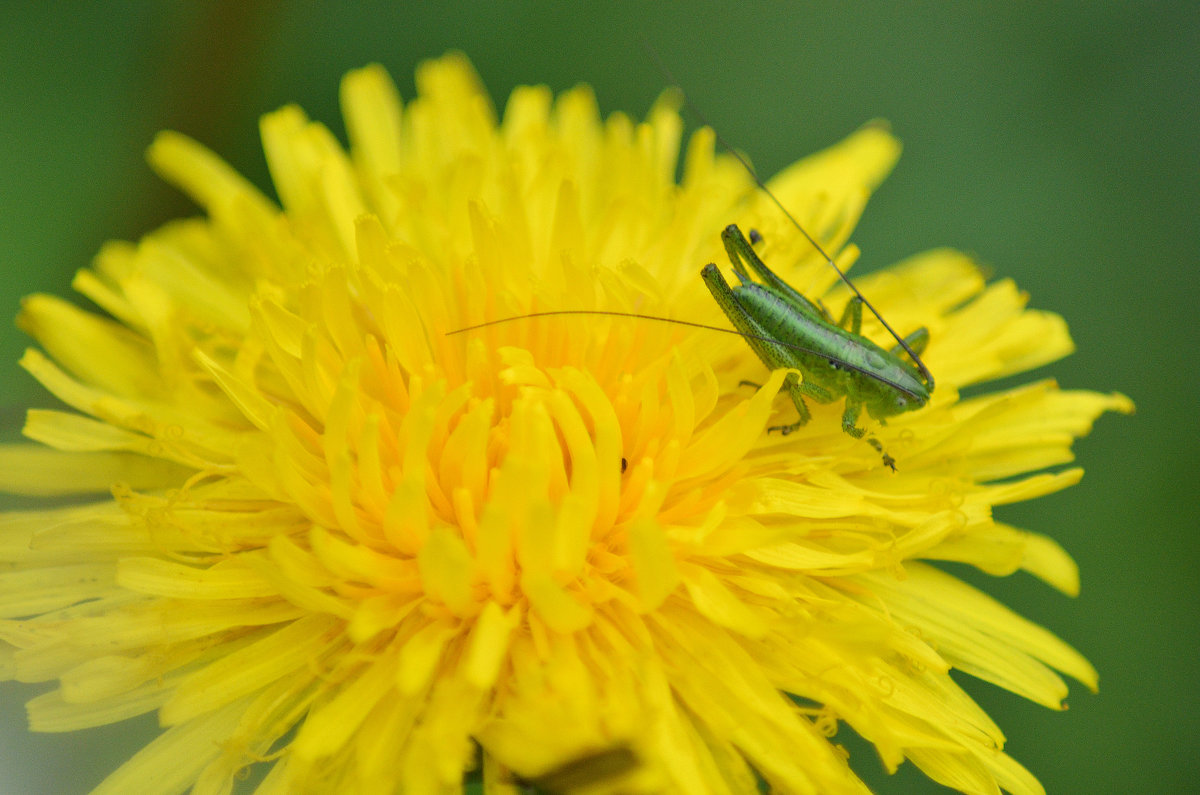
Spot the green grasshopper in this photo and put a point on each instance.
(785, 329)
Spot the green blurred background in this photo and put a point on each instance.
(1058, 145)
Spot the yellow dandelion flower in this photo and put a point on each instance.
(310, 529)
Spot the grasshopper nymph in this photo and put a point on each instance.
(785, 329)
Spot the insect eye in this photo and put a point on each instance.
(901, 401)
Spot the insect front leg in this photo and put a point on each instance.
(850, 418)
(850, 426)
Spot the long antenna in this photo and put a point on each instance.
(841, 363)
(695, 111)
